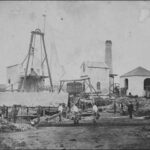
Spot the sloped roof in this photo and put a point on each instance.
(93, 64)
(139, 71)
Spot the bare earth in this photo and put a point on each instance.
(79, 137)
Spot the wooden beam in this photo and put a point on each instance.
(61, 85)
(75, 80)
(30, 46)
(50, 78)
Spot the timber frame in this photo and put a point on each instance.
(84, 80)
(33, 34)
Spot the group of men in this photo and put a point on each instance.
(75, 111)
(130, 107)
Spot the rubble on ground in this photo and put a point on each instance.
(143, 110)
(6, 126)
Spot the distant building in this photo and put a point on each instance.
(99, 75)
(15, 76)
(136, 82)
(14, 73)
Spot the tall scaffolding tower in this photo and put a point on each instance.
(35, 33)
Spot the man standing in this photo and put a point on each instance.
(95, 112)
(39, 110)
(3, 111)
(130, 109)
(115, 107)
(122, 108)
(75, 112)
(137, 105)
(60, 110)
(14, 113)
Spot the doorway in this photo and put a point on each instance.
(147, 87)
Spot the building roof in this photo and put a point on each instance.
(139, 71)
(92, 64)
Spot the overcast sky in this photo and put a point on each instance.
(76, 31)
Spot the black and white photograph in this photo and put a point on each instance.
(74, 75)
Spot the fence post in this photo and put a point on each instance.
(27, 113)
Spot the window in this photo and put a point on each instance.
(98, 86)
(147, 84)
(9, 81)
(83, 67)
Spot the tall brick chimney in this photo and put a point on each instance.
(108, 55)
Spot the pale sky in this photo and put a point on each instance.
(78, 30)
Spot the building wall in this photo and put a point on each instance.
(98, 75)
(135, 85)
(13, 74)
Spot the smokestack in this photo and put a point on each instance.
(108, 55)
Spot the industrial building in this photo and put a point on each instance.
(14, 73)
(15, 77)
(136, 82)
(29, 75)
(100, 73)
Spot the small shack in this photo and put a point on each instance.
(136, 82)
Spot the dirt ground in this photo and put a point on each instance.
(102, 136)
(78, 138)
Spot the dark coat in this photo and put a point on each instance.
(130, 107)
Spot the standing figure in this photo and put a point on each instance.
(95, 113)
(122, 108)
(15, 113)
(39, 110)
(3, 111)
(130, 109)
(6, 112)
(115, 107)
(137, 105)
(60, 110)
(75, 112)
(69, 102)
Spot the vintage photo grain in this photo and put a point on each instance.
(74, 75)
